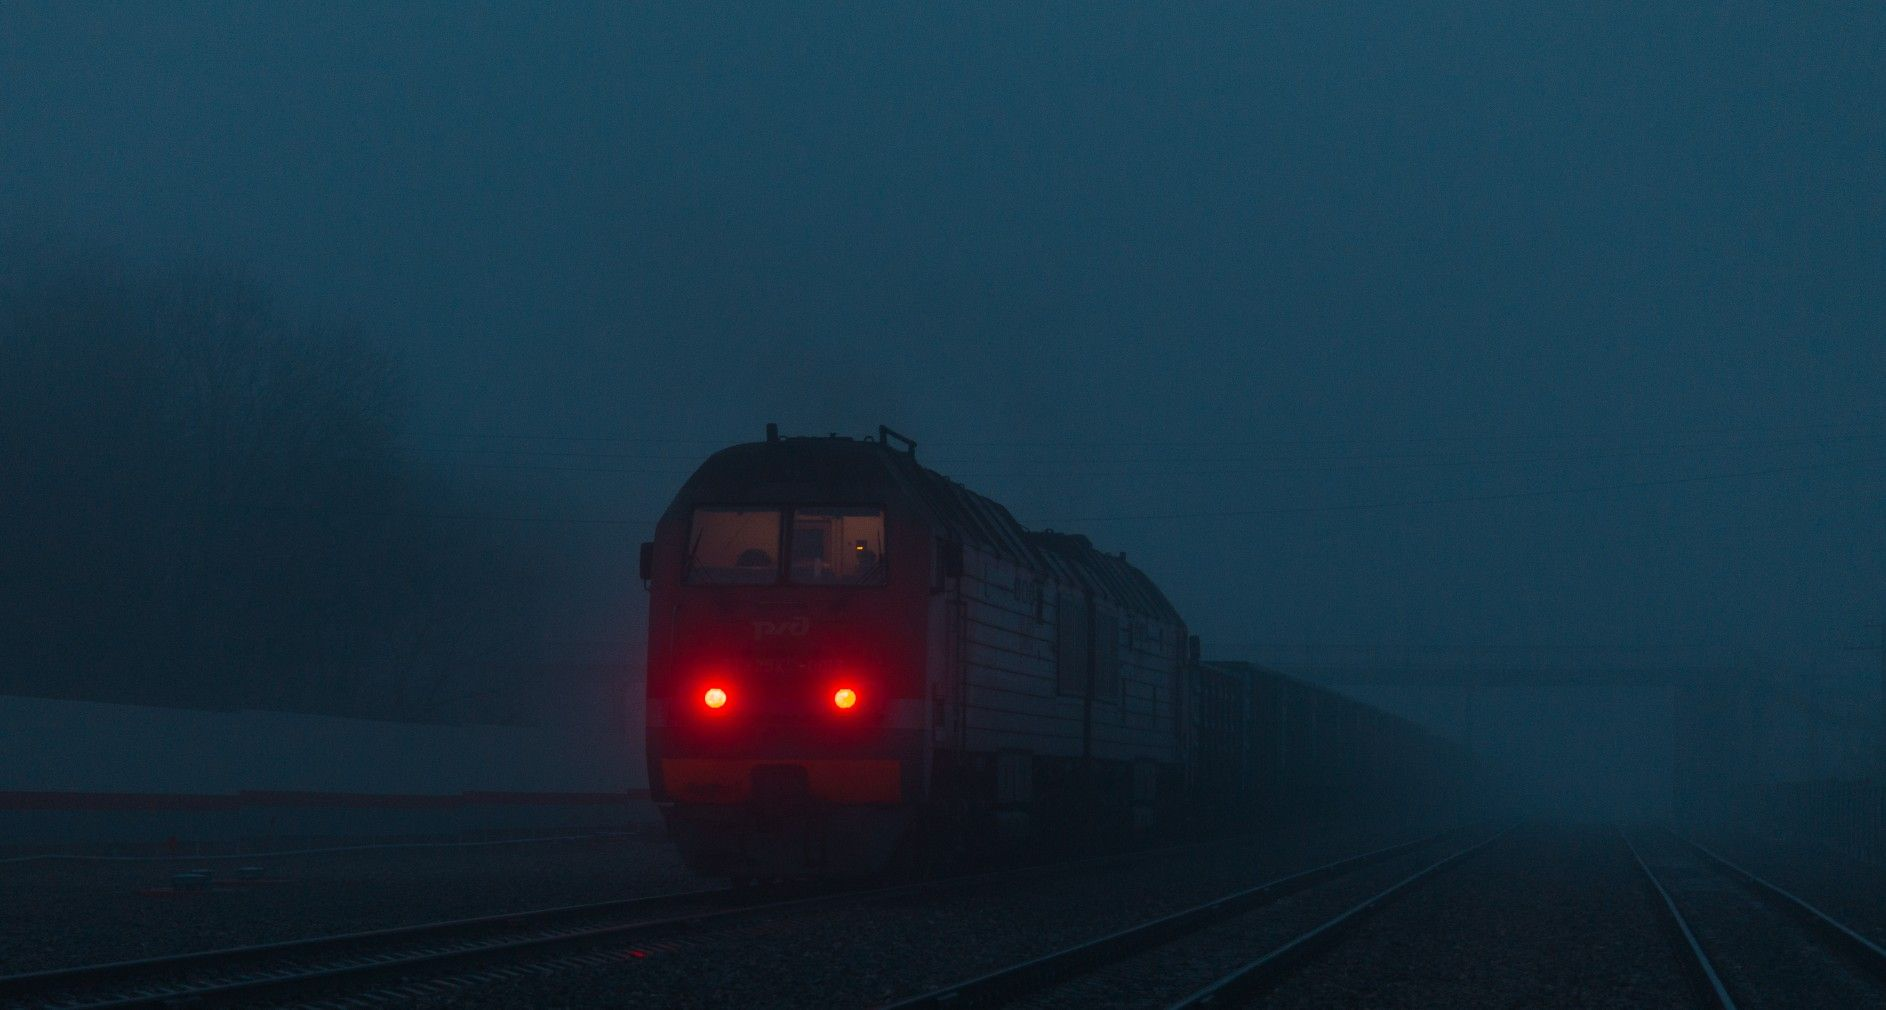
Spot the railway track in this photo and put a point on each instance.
(1258, 974)
(1753, 943)
(430, 957)
(280, 970)
(1745, 941)
(1024, 978)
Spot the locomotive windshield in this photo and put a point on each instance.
(734, 546)
(830, 546)
(838, 546)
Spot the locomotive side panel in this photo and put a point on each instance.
(1071, 716)
(1138, 721)
(1013, 701)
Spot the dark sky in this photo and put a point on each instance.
(1126, 270)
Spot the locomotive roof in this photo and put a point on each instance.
(836, 468)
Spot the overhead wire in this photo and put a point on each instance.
(1493, 497)
(1215, 439)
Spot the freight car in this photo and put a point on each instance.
(1287, 749)
(852, 658)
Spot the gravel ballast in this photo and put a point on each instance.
(1165, 974)
(872, 952)
(1540, 919)
(1544, 917)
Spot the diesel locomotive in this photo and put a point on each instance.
(853, 659)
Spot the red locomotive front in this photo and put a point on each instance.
(788, 643)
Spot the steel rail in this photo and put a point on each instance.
(245, 973)
(1256, 976)
(1834, 933)
(1701, 969)
(1037, 973)
(15, 987)
(155, 981)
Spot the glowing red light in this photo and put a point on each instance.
(714, 698)
(844, 697)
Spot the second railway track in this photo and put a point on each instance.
(1750, 943)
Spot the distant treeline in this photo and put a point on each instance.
(204, 504)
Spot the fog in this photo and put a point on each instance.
(1518, 371)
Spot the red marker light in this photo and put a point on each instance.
(714, 698)
(844, 697)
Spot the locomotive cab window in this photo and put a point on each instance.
(734, 547)
(838, 546)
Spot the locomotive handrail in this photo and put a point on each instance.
(885, 435)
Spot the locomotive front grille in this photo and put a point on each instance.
(818, 780)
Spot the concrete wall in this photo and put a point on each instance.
(88, 774)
